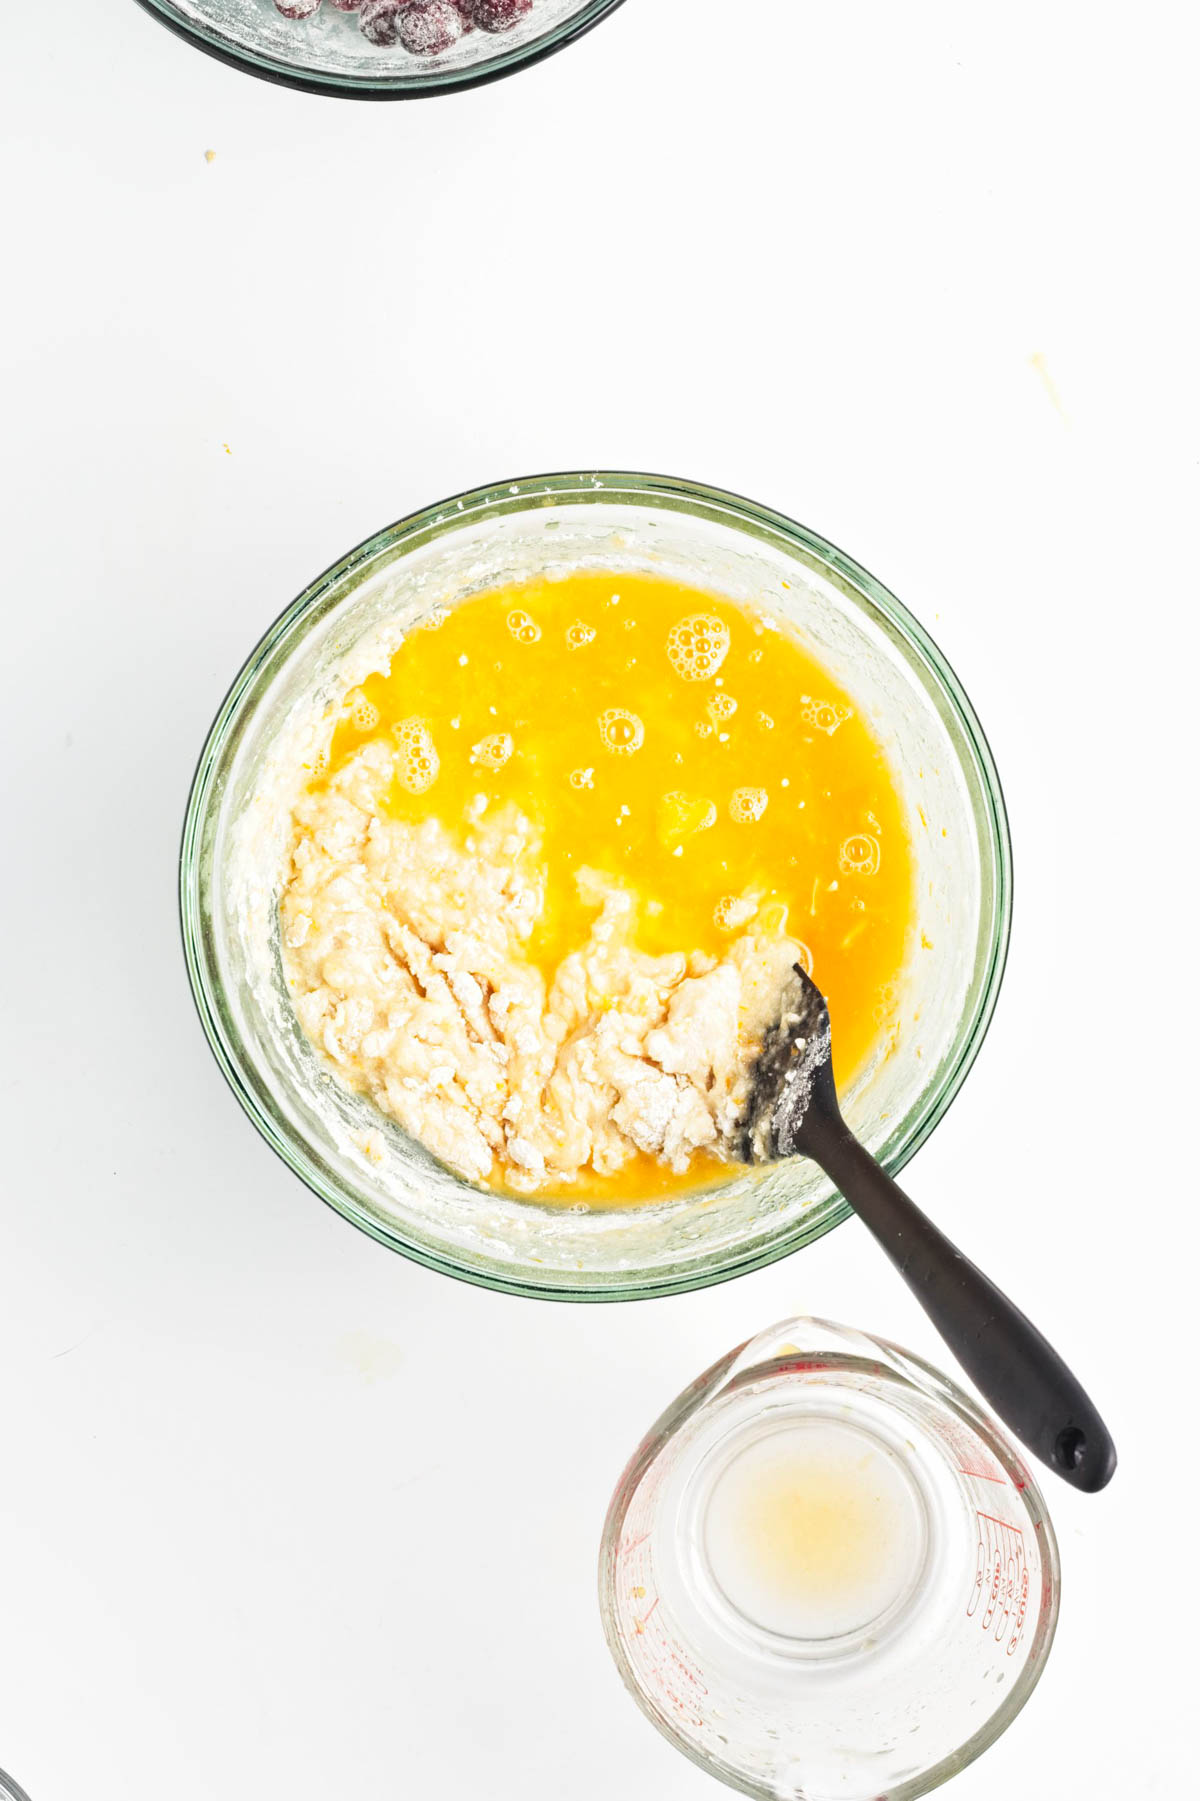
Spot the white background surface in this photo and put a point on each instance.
(280, 1514)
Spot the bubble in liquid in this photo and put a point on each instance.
(364, 714)
(621, 730)
(732, 912)
(764, 721)
(579, 634)
(697, 646)
(581, 778)
(747, 805)
(435, 618)
(320, 762)
(859, 854)
(418, 761)
(826, 715)
(721, 707)
(703, 729)
(885, 1004)
(522, 627)
(494, 751)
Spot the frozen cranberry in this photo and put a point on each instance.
(428, 26)
(346, 6)
(463, 9)
(499, 15)
(378, 19)
(297, 9)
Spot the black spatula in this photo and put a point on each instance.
(793, 1111)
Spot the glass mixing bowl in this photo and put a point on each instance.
(892, 1657)
(327, 54)
(234, 845)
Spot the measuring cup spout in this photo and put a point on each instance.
(801, 1343)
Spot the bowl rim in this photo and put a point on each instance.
(591, 13)
(515, 495)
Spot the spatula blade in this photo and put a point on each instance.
(794, 1072)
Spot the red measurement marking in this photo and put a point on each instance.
(1022, 1607)
(980, 1477)
(1000, 1589)
(649, 1611)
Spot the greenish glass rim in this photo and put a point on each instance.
(392, 86)
(629, 488)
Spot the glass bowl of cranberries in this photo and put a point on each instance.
(380, 49)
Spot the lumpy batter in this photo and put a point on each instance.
(554, 862)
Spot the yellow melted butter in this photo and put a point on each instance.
(813, 1530)
(686, 747)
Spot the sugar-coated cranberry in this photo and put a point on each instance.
(499, 15)
(463, 9)
(297, 9)
(378, 19)
(428, 26)
(346, 6)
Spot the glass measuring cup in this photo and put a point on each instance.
(879, 1637)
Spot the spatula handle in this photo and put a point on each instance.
(1019, 1374)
